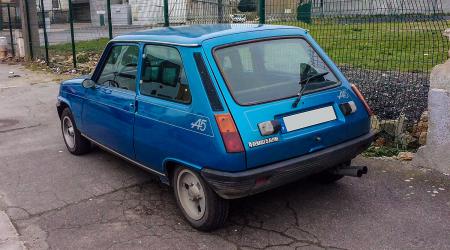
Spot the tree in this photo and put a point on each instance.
(247, 6)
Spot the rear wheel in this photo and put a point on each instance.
(200, 205)
(75, 142)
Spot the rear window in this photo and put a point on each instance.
(270, 70)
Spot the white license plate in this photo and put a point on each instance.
(309, 118)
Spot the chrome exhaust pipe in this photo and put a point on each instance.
(354, 171)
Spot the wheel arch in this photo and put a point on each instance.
(61, 105)
(170, 164)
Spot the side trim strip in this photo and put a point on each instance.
(176, 126)
(122, 156)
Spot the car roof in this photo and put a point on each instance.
(194, 35)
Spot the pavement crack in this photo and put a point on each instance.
(290, 208)
(81, 201)
(297, 223)
(19, 128)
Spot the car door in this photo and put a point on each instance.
(166, 125)
(108, 112)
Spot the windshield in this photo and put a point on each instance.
(271, 70)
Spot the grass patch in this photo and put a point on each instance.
(403, 46)
(91, 46)
(385, 151)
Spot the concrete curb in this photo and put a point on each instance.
(9, 238)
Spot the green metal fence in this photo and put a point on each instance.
(388, 48)
(9, 21)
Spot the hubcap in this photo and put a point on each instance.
(68, 132)
(191, 194)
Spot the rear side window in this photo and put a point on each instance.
(163, 74)
(270, 70)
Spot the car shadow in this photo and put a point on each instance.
(278, 210)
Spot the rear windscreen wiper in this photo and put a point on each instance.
(303, 84)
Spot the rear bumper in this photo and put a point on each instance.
(236, 185)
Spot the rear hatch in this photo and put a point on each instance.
(299, 135)
(259, 81)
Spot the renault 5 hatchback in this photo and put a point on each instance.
(219, 112)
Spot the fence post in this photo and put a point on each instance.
(166, 13)
(45, 32)
(220, 11)
(30, 38)
(1, 17)
(108, 9)
(72, 35)
(10, 32)
(262, 11)
(16, 18)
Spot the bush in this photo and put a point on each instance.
(304, 12)
(247, 6)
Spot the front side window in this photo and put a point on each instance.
(163, 74)
(271, 70)
(120, 69)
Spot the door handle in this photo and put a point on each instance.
(106, 91)
(132, 107)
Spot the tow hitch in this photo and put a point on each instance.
(355, 171)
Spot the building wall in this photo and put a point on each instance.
(95, 7)
(150, 12)
(47, 4)
(281, 8)
(368, 7)
(446, 6)
(4, 14)
(208, 11)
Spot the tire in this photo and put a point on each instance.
(200, 205)
(75, 142)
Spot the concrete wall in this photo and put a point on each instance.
(380, 7)
(4, 14)
(446, 6)
(288, 8)
(360, 7)
(150, 12)
(147, 12)
(436, 154)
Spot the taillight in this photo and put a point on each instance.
(230, 135)
(363, 100)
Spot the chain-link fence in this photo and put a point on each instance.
(386, 47)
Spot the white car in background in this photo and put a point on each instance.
(238, 18)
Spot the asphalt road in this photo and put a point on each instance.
(60, 201)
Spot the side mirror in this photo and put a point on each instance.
(88, 83)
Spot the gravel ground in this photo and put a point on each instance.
(392, 93)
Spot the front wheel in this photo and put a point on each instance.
(75, 142)
(200, 205)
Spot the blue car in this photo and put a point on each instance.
(219, 112)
